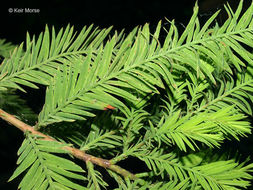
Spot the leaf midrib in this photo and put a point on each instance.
(195, 172)
(37, 66)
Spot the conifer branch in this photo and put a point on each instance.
(74, 151)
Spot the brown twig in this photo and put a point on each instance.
(75, 152)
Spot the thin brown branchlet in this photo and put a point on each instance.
(73, 151)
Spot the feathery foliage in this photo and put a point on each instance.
(165, 104)
(6, 48)
(48, 171)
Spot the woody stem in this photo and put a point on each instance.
(74, 151)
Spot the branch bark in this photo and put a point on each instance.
(75, 152)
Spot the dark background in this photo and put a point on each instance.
(58, 13)
(120, 14)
